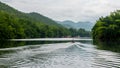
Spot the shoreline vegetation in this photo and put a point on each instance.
(15, 24)
(106, 32)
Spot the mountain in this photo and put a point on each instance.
(70, 24)
(15, 24)
(40, 18)
(33, 16)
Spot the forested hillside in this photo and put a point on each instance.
(34, 17)
(13, 27)
(16, 24)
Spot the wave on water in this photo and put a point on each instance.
(57, 55)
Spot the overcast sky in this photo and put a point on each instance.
(75, 10)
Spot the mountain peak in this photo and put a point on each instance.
(84, 25)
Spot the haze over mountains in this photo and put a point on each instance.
(70, 24)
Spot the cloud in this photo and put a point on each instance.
(75, 10)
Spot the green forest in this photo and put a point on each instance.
(15, 24)
(107, 29)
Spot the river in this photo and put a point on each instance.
(58, 55)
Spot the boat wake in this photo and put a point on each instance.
(58, 55)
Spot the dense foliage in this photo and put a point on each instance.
(16, 24)
(107, 29)
(13, 27)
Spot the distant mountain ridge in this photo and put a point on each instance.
(70, 24)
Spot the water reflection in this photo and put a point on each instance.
(8, 44)
(112, 46)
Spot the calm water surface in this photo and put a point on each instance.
(58, 55)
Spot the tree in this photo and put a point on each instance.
(107, 29)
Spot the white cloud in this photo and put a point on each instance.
(76, 10)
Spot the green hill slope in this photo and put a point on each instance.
(34, 17)
(16, 24)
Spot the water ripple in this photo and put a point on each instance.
(60, 55)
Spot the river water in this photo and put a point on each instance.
(58, 55)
